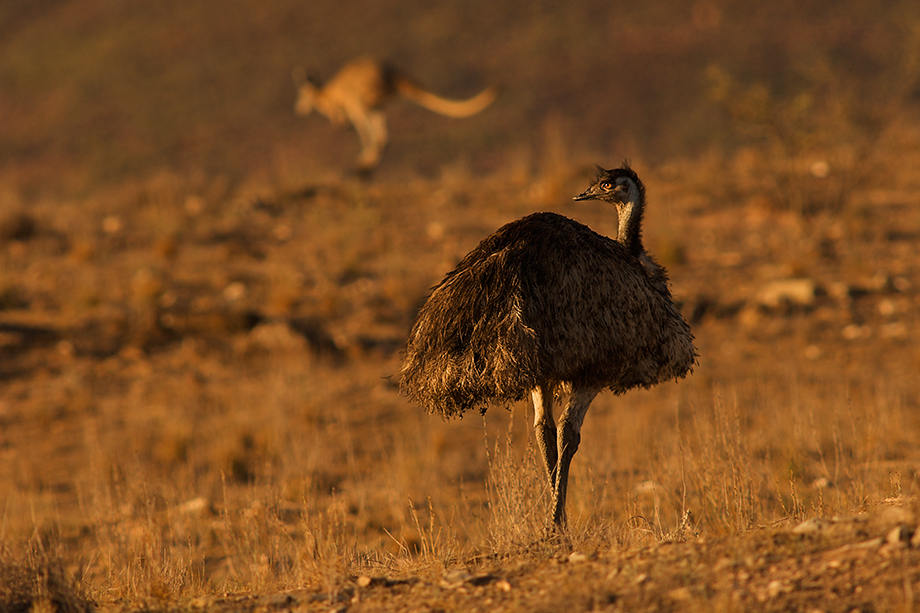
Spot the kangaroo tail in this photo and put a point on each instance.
(444, 106)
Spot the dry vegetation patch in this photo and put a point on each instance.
(221, 417)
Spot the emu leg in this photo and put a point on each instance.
(569, 436)
(545, 430)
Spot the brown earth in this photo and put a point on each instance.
(199, 400)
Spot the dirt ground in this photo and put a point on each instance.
(203, 413)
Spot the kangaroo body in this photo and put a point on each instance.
(358, 92)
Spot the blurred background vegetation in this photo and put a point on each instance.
(94, 92)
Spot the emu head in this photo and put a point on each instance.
(622, 188)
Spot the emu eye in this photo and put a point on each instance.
(605, 185)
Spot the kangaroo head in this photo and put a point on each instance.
(306, 91)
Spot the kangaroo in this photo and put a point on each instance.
(358, 92)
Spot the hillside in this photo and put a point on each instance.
(97, 92)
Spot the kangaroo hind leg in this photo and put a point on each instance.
(372, 130)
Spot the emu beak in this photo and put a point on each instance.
(585, 195)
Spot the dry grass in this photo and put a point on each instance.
(198, 452)
(36, 580)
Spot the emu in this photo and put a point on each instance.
(547, 306)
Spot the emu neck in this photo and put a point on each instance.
(629, 233)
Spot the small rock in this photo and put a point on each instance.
(363, 581)
(811, 526)
(855, 331)
(576, 557)
(455, 579)
(820, 169)
(723, 563)
(788, 291)
(195, 505)
(901, 534)
(880, 282)
(681, 594)
(887, 307)
(235, 291)
(775, 588)
(111, 224)
(435, 230)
